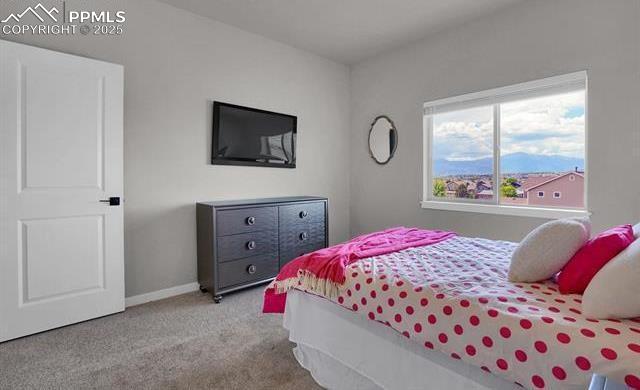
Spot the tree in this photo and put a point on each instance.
(439, 188)
(508, 191)
(508, 188)
(461, 191)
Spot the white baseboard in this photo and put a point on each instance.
(160, 294)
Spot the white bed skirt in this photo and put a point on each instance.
(342, 350)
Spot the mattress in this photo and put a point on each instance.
(342, 350)
(453, 297)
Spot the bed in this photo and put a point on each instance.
(444, 315)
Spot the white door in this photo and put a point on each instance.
(61, 248)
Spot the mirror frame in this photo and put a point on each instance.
(393, 130)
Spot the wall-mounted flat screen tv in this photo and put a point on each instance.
(248, 136)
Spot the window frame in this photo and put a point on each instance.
(494, 97)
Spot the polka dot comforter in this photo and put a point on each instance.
(454, 297)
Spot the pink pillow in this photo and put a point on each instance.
(588, 260)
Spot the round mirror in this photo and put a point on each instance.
(383, 139)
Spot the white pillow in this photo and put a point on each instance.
(544, 251)
(636, 230)
(586, 222)
(614, 291)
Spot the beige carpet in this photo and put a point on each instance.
(185, 342)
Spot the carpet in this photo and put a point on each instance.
(184, 342)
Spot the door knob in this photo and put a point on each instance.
(251, 245)
(251, 220)
(303, 214)
(303, 236)
(252, 269)
(113, 201)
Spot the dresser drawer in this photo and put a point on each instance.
(250, 269)
(301, 235)
(247, 244)
(301, 213)
(291, 254)
(245, 220)
(242, 243)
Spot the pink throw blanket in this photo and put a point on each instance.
(323, 271)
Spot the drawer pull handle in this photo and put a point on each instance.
(251, 220)
(303, 236)
(303, 214)
(251, 269)
(251, 245)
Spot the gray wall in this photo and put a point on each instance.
(176, 63)
(526, 42)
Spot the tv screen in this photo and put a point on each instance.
(248, 136)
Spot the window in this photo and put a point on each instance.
(500, 150)
(463, 141)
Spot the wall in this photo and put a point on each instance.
(176, 63)
(529, 41)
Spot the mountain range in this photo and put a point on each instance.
(510, 163)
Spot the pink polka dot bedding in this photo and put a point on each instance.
(454, 297)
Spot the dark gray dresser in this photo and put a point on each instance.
(242, 243)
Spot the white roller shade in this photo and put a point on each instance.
(544, 87)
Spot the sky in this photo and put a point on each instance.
(549, 125)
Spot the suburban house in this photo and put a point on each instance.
(479, 189)
(565, 190)
(485, 194)
(538, 189)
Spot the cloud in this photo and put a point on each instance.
(528, 137)
(464, 135)
(545, 125)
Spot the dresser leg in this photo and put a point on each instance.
(217, 298)
(203, 290)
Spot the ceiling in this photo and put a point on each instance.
(346, 31)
